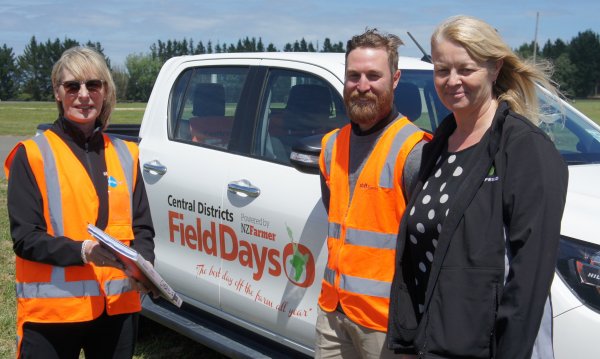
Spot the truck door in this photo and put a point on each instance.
(186, 160)
(275, 261)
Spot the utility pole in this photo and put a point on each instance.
(537, 18)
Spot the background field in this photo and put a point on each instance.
(155, 341)
(22, 118)
(591, 108)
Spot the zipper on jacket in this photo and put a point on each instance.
(493, 331)
(87, 157)
(341, 242)
(338, 255)
(423, 349)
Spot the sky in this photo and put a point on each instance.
(125, 27)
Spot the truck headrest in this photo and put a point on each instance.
(309, 98)
(407, 98)
(209, 100)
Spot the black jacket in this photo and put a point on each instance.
(495, 258)
(26, 214)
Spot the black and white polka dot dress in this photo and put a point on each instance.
(426, 217)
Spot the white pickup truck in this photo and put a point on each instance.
(229, 146)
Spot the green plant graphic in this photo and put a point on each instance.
(298, 260)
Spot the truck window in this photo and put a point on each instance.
(295, 105)
(415, 97)
(207, 99)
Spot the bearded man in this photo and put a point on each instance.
(367, 170)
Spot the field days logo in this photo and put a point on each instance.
(299, 263)
(220, 240)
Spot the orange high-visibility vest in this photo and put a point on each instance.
(362, 233)
(53, 294)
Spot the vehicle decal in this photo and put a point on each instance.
(202, 208)
(246, 288)
(301, 262)
(249, 229)
(262, 222)
(221, 240)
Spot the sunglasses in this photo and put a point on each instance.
(73, 87)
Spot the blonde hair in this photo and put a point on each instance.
(83, 62)
(517, 79)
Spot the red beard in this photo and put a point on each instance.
(367, 109)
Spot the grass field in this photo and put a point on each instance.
(7, 282)
(154, 340)
(22, 118)
(591, 108)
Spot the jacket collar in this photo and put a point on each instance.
(434, 148)
(73, 135)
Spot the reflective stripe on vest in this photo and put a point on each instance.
(334, 230)
(58, 287)
(126, 161)
(371, 287)
(359, 285)
(52, 184)
(328, 152)
(386, 179)
(117, 286)
(329, 276)
(371, 239)
(361, 237)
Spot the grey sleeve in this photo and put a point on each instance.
(411, 169)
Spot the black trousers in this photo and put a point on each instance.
(102, 338)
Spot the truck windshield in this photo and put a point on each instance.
(576, 137)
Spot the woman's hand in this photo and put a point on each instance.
(100, 256)
(139, 286)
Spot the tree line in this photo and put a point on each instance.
(576, 63)
(27, 76)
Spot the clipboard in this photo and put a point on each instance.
(141, 269)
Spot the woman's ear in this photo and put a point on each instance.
(497, 68)
(57, 94)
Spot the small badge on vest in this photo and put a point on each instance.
(112, 182)
(492, 175)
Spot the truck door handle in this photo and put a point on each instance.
(155, 167)
(243, 187)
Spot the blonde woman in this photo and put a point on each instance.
(72, 294)
(478, 242)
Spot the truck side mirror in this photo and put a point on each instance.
(305, 154)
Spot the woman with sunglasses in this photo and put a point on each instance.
(72, 294)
